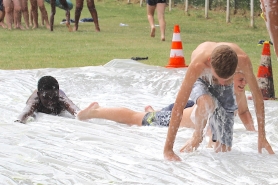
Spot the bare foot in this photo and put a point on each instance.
(47, 26)
(162, 38)
(3, 25)
(75, 28)
(149, 109)
(35, 27)
(97, 29)
(20, 27)
(87, 112)
(210, 144)
(153, 32)
(69, 27)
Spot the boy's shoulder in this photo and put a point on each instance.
(34, 98)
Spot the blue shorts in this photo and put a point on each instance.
(154, 2)
(222, 120)
(161, 118)
(190, 103)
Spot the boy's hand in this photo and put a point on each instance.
(191, 145)
(263, 143)
(171, 156)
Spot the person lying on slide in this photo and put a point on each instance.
(49, 99)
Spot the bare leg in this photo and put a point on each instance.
(160, 14)
(221, 147)
(17, 14)
(65, 4)
(2, 16)
(44, 13)
(149, 109)
(205, 107)
(78, 9)
(34, 13)
(31, 17)
(150, 13)
(9, 15)
(120, 115)
(25, 12)
(93, 11)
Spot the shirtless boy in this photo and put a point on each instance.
(49, 99)
(208, 82)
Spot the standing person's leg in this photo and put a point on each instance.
(78, 9)
(25, 12)
(34, 13)
(2, 14)
(93, 11)
(160, 7)
(8, 13)
(44, 13)
(17, 14)
(120, 115)
(151, 5)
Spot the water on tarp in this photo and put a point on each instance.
(61, 150)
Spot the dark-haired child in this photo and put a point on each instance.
(49, 99)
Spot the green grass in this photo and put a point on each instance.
(41, 48)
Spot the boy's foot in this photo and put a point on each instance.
(97, 29)
(149, 109)
(69, 27)
(87, 112)
(162, 38)
(153, 32)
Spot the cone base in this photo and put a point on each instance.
(176, 62)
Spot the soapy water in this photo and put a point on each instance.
(62, 150)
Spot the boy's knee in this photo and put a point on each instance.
(206, 102)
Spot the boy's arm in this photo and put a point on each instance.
(68, 104)
(243, 112)
(192, 74)
(30, 108)
(259, 105)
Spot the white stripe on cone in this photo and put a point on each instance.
(176, 52)
(176, 37)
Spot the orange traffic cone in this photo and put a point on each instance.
(264, 77)
(176, 55)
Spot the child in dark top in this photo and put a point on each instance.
(49, 99)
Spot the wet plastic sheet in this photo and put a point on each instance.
(62, 150)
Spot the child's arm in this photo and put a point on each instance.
(68, 104)
(30, 108)
(244, 113)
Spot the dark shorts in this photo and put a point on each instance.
(161, 118)
(190, 103)
(1, 5)
(222, 120)
(154, 2)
